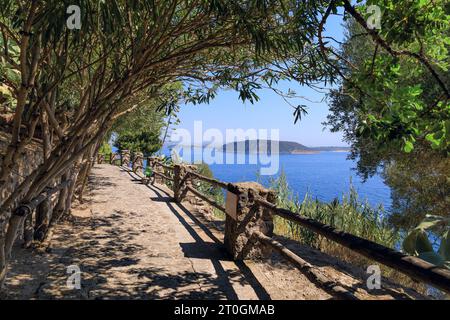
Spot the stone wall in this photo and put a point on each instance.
(30, 159)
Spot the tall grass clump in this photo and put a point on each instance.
(350, 214)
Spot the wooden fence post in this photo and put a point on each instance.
(157, 167)
(100, 158)
(177, 182)
(138, 161)
(151, 163)
(185, 181)
(243, 217)
(125, 158)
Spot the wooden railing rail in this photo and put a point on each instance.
(163, 165)
(205, 198)
(212, 181)
(192, 174)
(162, 175)
(414, 267)
(189, 174)
(107, 157)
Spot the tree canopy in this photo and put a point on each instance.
(67, 87)
(393, 107)
(394, 95)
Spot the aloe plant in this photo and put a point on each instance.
(417, 242)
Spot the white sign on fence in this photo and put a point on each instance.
(231, 205)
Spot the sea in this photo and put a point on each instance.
(323, 176)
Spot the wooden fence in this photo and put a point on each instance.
(111, 158)
(181, 177)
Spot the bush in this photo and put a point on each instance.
(105, 149)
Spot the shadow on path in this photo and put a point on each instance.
(215, 252)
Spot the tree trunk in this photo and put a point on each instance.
(83, 178)
(89, 163)
(71, 189)
(10, 237)
(28, 231)
(3, 260)
(43, 215)
(60, 207)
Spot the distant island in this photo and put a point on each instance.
(285, 147)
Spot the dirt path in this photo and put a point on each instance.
(131, 241)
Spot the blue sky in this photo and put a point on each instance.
(226, 111)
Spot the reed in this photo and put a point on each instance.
(351, 214)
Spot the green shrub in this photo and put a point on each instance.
(105, 149)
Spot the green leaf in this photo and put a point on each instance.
(423, 243)
(435, 142)
(444, 249)
(431, 221)
(5, 90)
(417, 242)
(432, 257)
(415, 91)
(408, 147)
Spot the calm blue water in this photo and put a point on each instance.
(324, 176)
